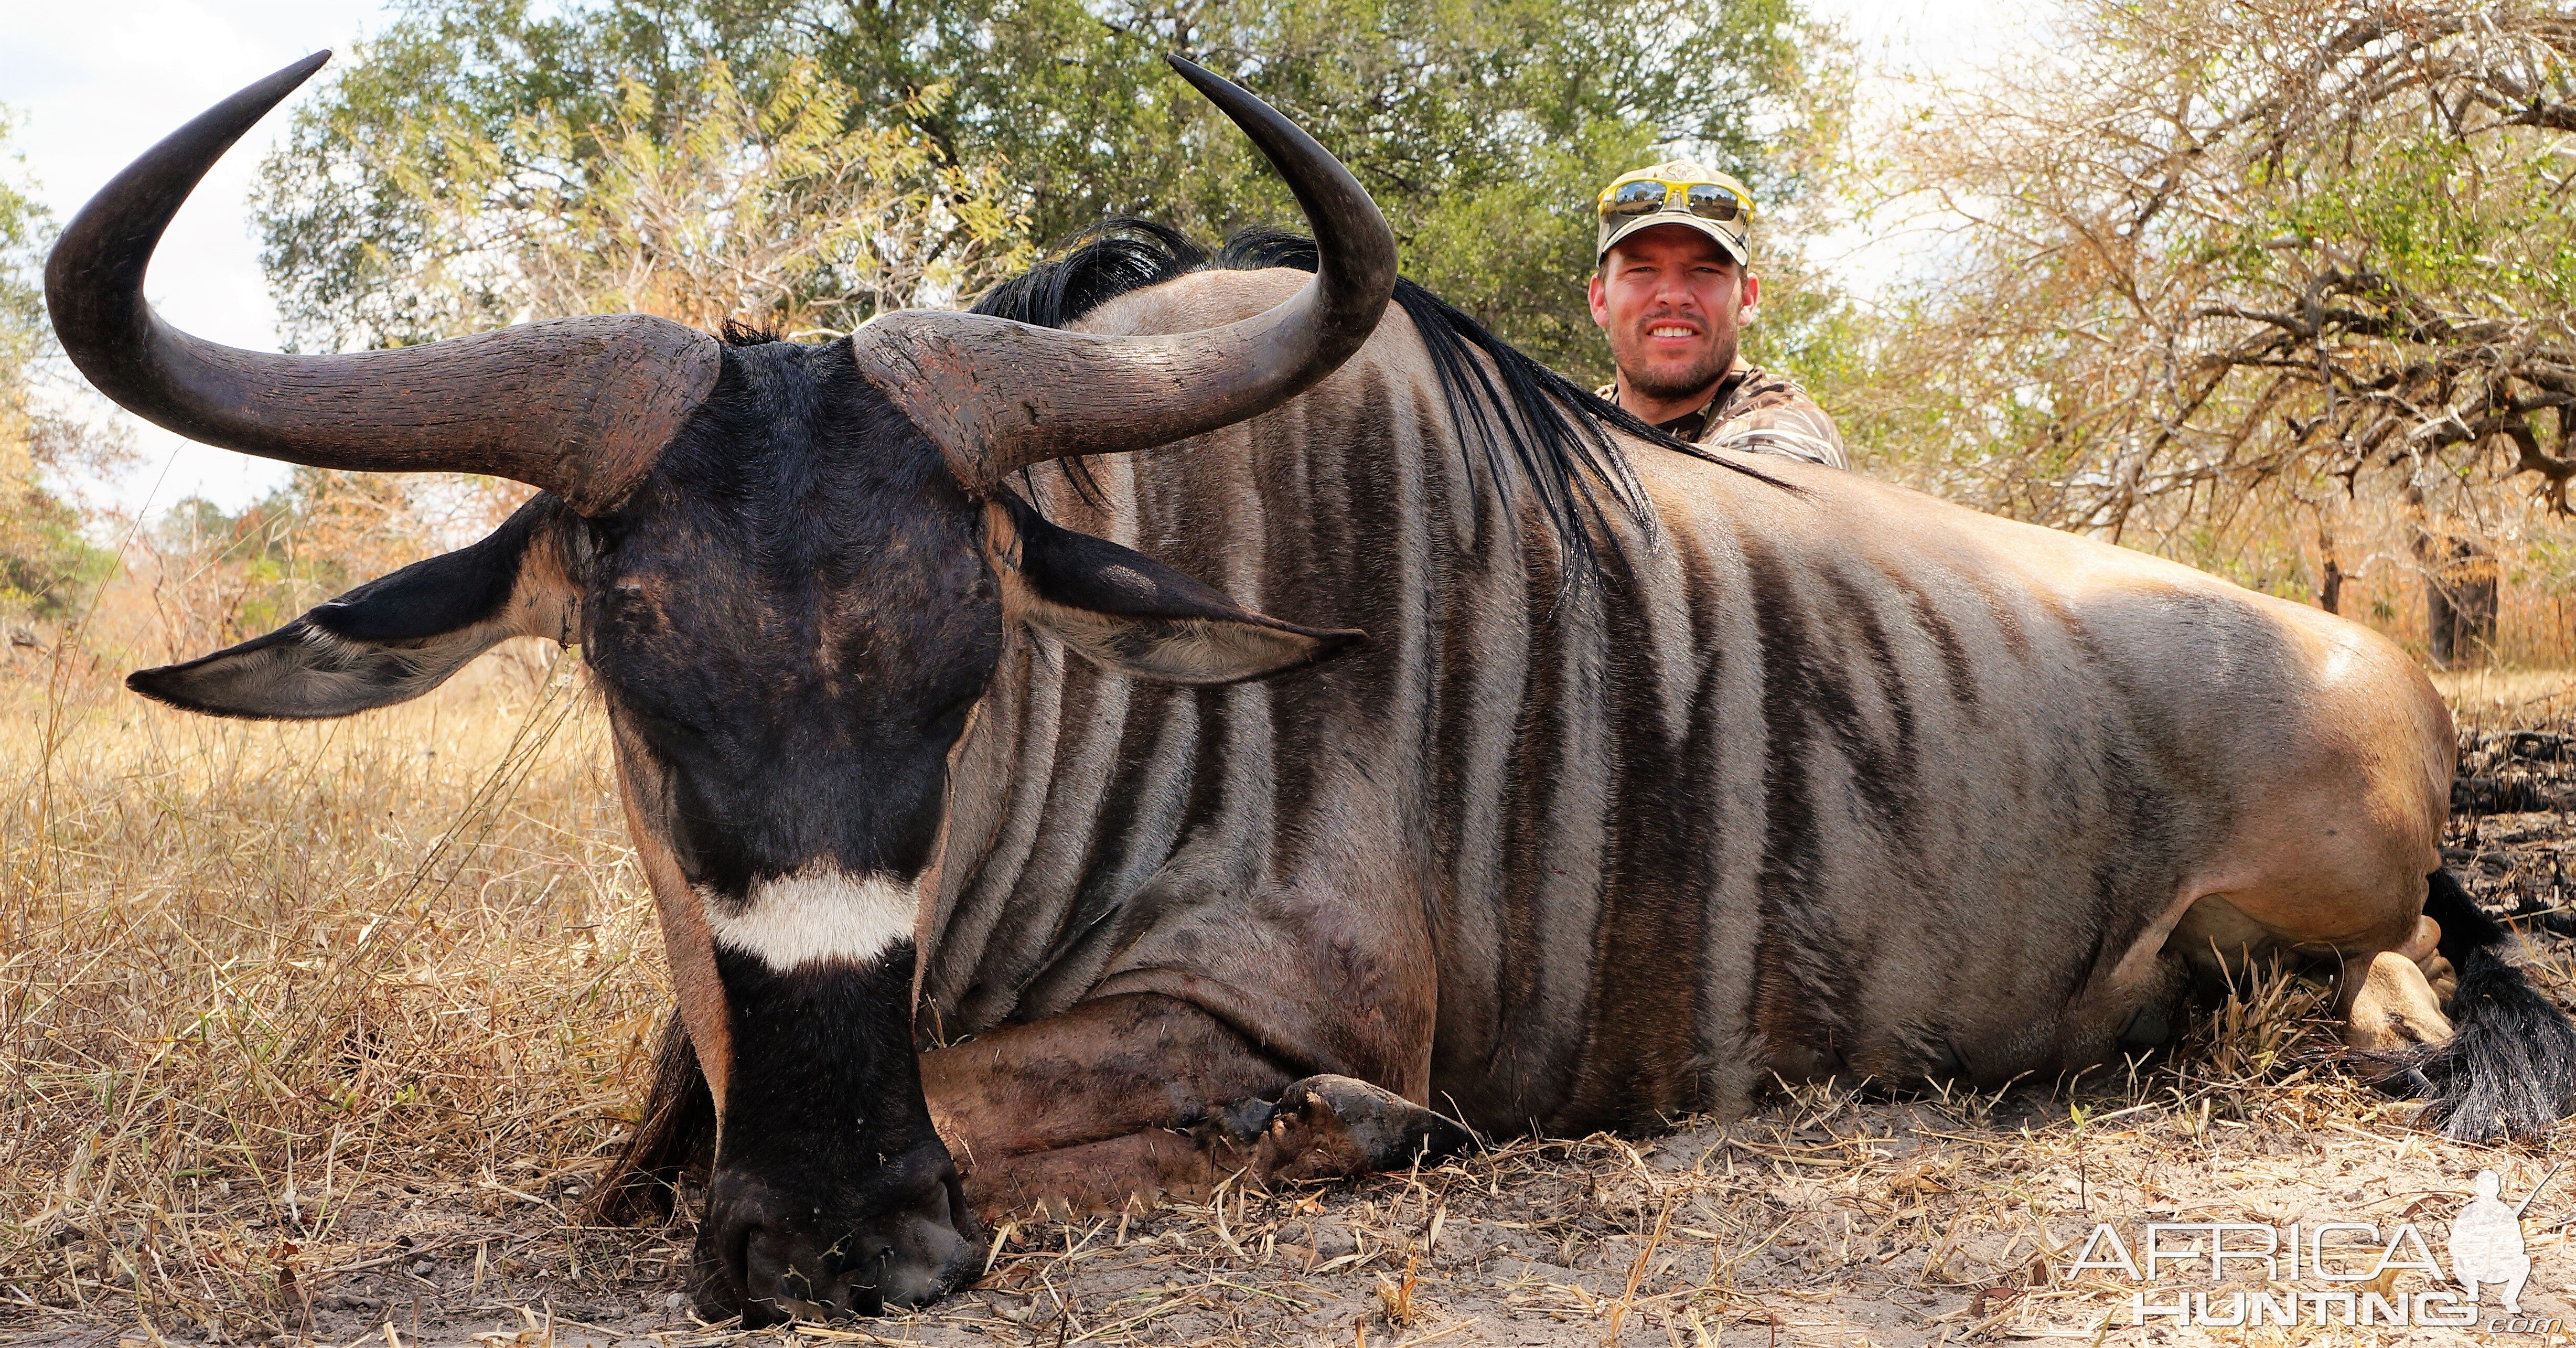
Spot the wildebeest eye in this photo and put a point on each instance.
(673, 737)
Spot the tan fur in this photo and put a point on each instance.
(691, 947)
(2342, 758)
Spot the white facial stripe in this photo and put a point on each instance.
(817, 914)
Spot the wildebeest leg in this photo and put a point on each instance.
(2389, 1007)
(1322, 1128)
(2392, 1001)
(1112, 1097)
(1147, 1094)
(2389, 991)
(1325, 1127)
(1102, 1176)
(2507, 1065)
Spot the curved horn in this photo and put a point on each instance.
(998, 396)
(579, 406)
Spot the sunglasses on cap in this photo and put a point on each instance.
(1646, 196)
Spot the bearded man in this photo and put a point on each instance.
(1673, 289)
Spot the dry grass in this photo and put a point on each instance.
(312, 1033)
(260, 977)
(2505, 698)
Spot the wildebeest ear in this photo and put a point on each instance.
(1125, 611)
(393, 638)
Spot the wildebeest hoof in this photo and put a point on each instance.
(1244, 1121)
(1328, 1127)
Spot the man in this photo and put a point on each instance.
(1673, 289)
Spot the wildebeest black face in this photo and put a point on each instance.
(790, 620)
(793, 570)
(792, 616)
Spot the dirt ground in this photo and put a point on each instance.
(1833, 1218)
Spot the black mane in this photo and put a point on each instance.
(1522, 418)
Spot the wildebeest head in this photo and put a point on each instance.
(790, 568)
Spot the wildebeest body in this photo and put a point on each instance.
(1821, 780)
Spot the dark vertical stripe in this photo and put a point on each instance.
(1530, 823)
(1805, 982)
(1955, 665)
(1333, 554)
(1887, 775)
(1642, 1057)
(2007, 620)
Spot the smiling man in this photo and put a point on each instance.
(1674, 289)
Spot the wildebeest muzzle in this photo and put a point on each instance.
(799, 1222)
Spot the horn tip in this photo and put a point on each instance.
(1195, 73)
(302, 68)
(273, 88)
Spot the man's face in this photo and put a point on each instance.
(1673, 304)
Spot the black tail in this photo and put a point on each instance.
(2509, 1068)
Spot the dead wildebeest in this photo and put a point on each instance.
(986, 868)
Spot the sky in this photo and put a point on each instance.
(1925, 37)
(92, 83)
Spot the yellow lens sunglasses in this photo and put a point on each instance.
(1646, 196)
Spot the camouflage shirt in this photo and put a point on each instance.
(1762, 413)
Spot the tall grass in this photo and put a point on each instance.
(261, 976)
(2278, 543)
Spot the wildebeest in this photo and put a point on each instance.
(1614, 782)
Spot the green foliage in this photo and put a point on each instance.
(1482, 128)
(260, 584)
(781, 209)
(46, 567)
(22, 296)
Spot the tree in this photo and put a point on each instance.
(778, 211)
(225, 576)
(46, 567)
(1481, 128)
(2219, 257)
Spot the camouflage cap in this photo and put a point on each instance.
(1735, 236)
